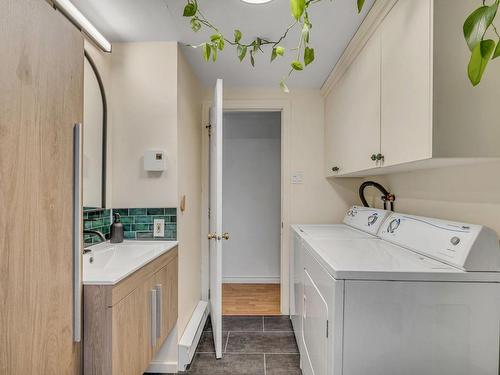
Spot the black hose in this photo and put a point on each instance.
(386, 197)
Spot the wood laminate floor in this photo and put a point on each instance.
(251, 299)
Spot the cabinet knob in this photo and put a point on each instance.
(335, 169)
(373, 157)
(380, 157)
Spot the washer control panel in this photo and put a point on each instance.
(365, 218)
(458, 244)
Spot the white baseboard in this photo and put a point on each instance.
(163, 367)
(251, 280)
(191, 336)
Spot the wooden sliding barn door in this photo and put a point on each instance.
(41, 98)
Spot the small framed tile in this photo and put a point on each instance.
(156, 211)
(129, 235)
(137, 211)
(144, 219)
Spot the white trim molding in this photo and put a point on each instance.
(374, 18)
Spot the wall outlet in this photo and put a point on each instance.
(159, 228)
(298, 177)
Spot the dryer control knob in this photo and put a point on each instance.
(455, 240)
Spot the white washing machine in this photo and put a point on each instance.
(422, 299)
(359, 222)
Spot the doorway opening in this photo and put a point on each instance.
(252, 209)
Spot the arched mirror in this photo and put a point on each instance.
(94, 137)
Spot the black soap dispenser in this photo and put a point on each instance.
(116, 229)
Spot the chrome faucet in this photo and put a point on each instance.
(96, 233)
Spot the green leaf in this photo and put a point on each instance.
(252, 60)
(308, 55)
(360, 5)
(237, 36)
(277, 51)
(497, 51)
(206, 51)
(195, 25)
(242, 51)
(274, 54)
(297, 65)
(214, 37)
(190, 10)
(477, 23)
(213, 47)
(297, 8)
(479, 59)
(284, 87)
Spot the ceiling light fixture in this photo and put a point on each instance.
(256, 1)
(70, 11)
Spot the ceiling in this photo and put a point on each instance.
(334, 24)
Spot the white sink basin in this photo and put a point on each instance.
(109, 263)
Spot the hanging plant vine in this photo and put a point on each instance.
(475, 28)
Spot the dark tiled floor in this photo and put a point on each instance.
(251, 346)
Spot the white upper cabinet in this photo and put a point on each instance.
(406, 122)
(352, 114)
(404, 96)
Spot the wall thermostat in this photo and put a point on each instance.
(155, 160)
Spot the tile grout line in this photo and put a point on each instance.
(265, 366)
(263, 325)
(227, 340)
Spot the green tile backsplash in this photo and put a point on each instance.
(137, 223)
(96, 219)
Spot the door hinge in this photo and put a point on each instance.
(327, 329)
(209, 128)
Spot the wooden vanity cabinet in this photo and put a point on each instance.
(126, 324)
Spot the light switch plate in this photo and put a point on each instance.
(298, 177)
(159, 228)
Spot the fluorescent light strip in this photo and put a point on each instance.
(83, 23)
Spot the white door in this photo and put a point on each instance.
(215, 217)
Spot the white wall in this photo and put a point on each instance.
(144, 110)
(251, 201)
(189, 185)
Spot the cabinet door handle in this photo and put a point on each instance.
(153, 316)
(159, 309)
(77, 232)
(335, 169)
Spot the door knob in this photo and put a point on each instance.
(225, 235)
(212, 236)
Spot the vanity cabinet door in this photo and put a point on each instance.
(165, 281)
(406, 83)
(132, 342)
